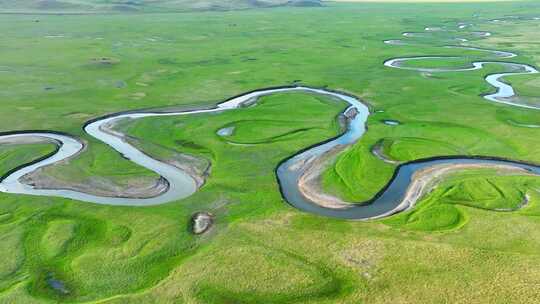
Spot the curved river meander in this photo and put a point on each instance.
(181, 185)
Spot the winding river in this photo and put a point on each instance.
(391, 199)
(505, 93)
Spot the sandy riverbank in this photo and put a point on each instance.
(422, 182)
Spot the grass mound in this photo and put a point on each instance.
(488, 189)
(482, 189)
(435, 218)
(409, 148)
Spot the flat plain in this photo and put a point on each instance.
(474, 239)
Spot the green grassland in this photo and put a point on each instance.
(455, 246)
(482, 189)
(14, 155)
(167, 6)
(438, 63)
(137, 6)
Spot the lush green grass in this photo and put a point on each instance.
(70, 245)
(262, 131)
(408, 148)
(521, 118)
(482, 189)
(95, 163)
(414, 140)
(14, 155)
(527, 85)
(409, 141)
(262, 250)
(439, 63)
(303, 120)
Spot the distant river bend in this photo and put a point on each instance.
(504, 94)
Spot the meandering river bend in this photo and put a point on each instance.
(390, 200)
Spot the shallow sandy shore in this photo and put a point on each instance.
(309, 183)
(26, 140)
(102, 186)
(179, 176)
(422, 182)
(427, 179)
(135, 188)
(99, 186)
